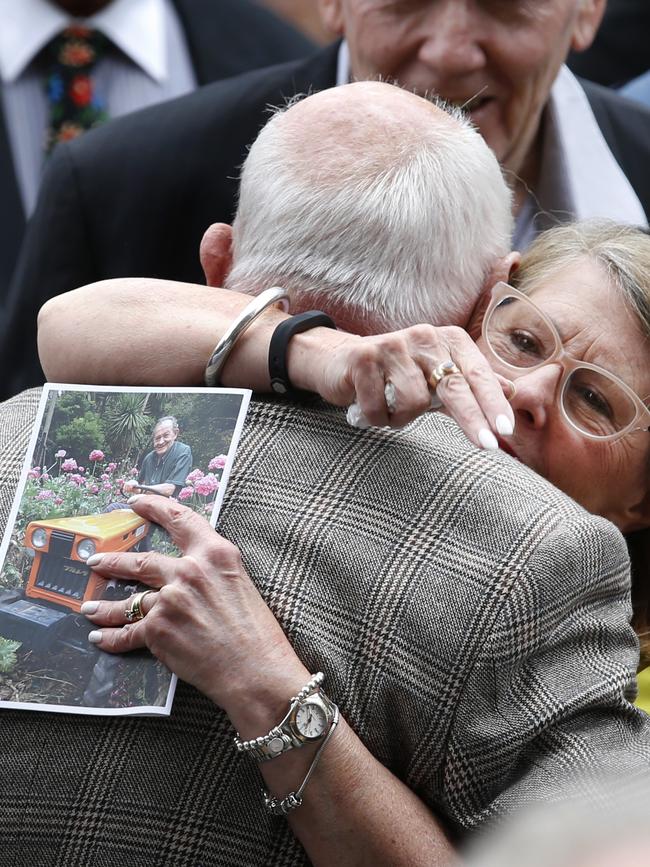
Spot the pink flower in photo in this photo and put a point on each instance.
(185, 493)
(69, 466)
(107, 486)
(96, 455)
(45, 477)
(94, 489)
(207, 485)
(111, 467)
(134, 471)
(34, 473)
(105, 477)
(82, 469)
(60, 454)
(119, 482)
(194, 476)
(76, 479)
(217, 463)
(45, 495)
(58, 501)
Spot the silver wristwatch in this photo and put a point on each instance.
(308, 721)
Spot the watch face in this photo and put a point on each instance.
(311, 720)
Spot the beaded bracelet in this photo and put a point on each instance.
(276, 740)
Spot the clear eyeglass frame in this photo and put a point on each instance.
(641, 419)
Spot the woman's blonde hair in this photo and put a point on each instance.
(624, 254)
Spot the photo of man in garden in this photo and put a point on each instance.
(92, 449)
(165, 469)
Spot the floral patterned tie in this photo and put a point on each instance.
(74, 106)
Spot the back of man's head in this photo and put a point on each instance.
(374, 205)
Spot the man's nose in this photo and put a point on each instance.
(537, 397)
(453, 44)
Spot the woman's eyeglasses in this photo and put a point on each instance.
(594, 401)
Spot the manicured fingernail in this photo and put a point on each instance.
(133, 499)
(89, 607)
(94, 560)
(487, 439)
(504, 426)
(512, 388)
(95, 636)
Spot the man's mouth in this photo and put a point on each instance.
(472, 105)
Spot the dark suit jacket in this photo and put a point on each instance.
(472, 625)
(621, 49)
(134, 199)
(224, 38)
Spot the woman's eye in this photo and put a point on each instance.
(524, 341)
(595, 401)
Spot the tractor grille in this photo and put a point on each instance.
(58, 573)
(61, 543)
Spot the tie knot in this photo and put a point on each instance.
(77, 48)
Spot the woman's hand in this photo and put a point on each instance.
(344, 368)
(206, 622)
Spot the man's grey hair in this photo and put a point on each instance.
(399, 231)
(170, 420)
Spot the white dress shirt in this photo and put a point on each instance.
(152, 64)
(579, 178)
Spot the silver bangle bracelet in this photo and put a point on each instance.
(282, 806)
(246, 318)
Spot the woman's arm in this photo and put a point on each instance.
(155, 332)
(209, 624)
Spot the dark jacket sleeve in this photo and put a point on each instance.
(55, 257)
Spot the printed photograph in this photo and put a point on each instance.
(90, 451)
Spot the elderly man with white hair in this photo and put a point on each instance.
(402, 218)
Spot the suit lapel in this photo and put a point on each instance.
(12, 217)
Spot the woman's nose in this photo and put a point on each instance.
(537, 395)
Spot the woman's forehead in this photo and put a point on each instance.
(594, 319)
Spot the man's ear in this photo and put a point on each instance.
(215, 253)
(590, 14)
(500, 272)
(331, 13)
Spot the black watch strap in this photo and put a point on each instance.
(280, 382)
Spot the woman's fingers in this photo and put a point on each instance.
(475, 396)
(114, 612)
(148, 567)
(392, 378)
(187, 529)
(120, 640)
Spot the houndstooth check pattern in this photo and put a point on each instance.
(471, 621)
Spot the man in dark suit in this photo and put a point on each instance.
(120, 204)
(201, 41)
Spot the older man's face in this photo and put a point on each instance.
(505, 53)
(164, 437)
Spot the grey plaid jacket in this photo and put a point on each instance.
(472, 622)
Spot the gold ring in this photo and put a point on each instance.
(134, 611)
(445, 368)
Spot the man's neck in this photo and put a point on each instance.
(527, 178)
